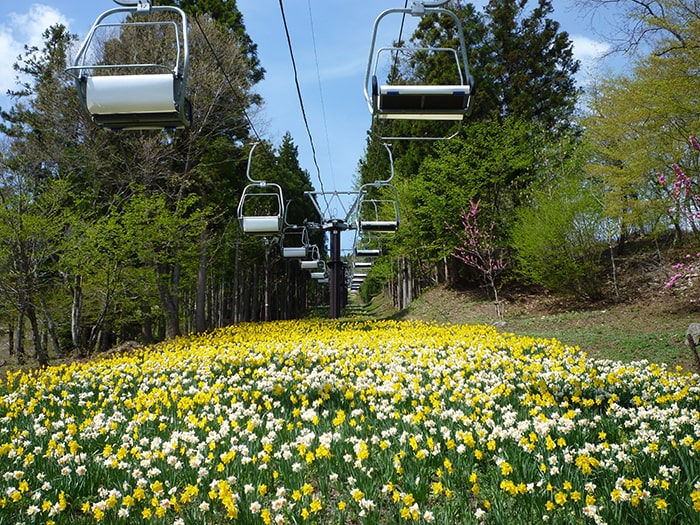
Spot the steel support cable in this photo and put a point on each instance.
(320, 91)
(301, 100)
(403, 20)
(220, 65)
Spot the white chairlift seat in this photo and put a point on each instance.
(294, 252)
(363, 264)
(268, 225)
(142, 101)
(261, 208)
(428, 102)
(311, 264)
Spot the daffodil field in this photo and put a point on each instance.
(333, 422)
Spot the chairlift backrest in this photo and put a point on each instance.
(140, 94)
(450, 102)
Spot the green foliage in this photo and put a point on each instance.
(526, 66)
(640, 122)
(559, 237)
(144, 228)
(494, 164)
(524, 100)
(226, 15)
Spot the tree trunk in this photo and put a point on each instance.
(147, 325)
(168, 281)
(266, 290)
(76, 315)
(51, 326)
(200, 320)
(19, 340)
(41, 354)
(11, 338)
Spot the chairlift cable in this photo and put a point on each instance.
(320, 91)
(301, 100)
(403, 20)
(220, 65)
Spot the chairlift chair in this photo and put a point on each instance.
(369, 246)
(321, 272)
(141, 95)
(265, 216)
(448, 102)
(378, 204)
(313, 262)
(294, 243)
(376, 214)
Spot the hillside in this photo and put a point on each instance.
(645, 321)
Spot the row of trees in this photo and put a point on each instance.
(108, 236)
(564, 178)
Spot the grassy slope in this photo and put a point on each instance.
(651, 327)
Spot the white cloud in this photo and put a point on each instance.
(590, 53)
(31, 25)
(586, 48)
(10, 50)
(18, 30)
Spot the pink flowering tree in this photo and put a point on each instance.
(684, 194)
(478, 250)
(685, 213)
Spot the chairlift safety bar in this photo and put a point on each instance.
(181, 66)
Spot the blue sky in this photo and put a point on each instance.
(330, 40)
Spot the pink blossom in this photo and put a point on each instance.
(673, 280)
(694, 143)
